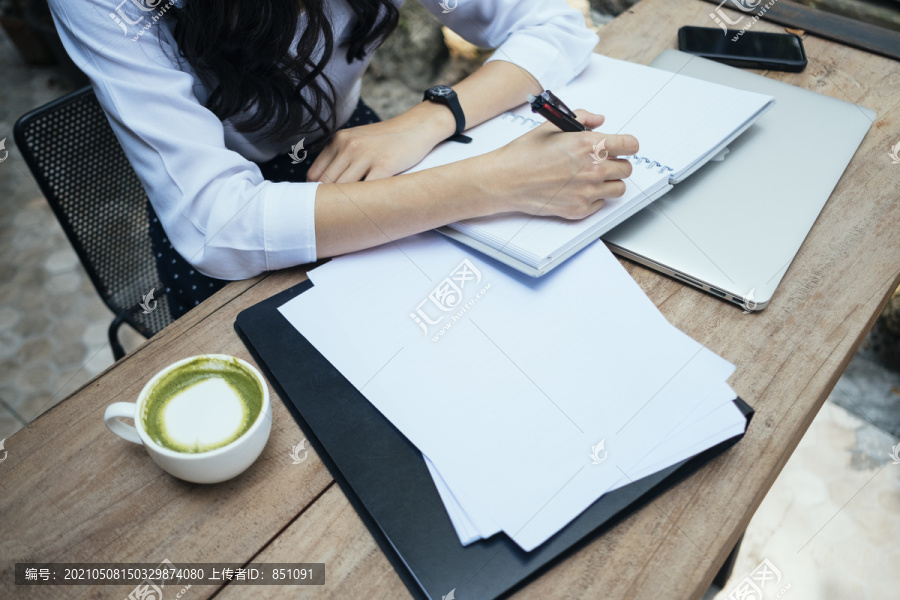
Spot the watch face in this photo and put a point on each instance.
(440, 91)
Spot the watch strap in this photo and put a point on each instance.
(451, 101)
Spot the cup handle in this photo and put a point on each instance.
(127, 410)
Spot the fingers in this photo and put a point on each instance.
(617, 145)
(338, 161)
(355, 171)
(586, 205)
(612, 189)
(339, 169)
(319, 166)
(614, 144)
(377, 172)
(350, 157)
(615, 168)
(589, 209)
(590, 120)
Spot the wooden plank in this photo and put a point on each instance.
(72, 491)
(355, 567)
(788, 358)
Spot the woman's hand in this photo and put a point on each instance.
(549, 172)
(381, 150)
(544, 172)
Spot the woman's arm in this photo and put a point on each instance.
(384, 149)
(216, 208)
(229, 223)
(545, 172)
(540, 44)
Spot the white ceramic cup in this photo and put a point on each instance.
(212, 466)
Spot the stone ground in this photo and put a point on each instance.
(830, 524)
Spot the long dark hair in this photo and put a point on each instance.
(241, 50)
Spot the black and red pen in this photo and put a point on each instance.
(552, 108)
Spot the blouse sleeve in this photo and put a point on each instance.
(217, 210)
(547, 38)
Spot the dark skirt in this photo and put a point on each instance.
(184, 286)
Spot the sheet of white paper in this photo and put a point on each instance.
(717, 419)
(467, 531)
(381, 275)
(731, 423)
(508, 399)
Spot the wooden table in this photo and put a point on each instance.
(70, 491)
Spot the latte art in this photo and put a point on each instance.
(202, 405)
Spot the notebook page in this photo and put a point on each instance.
(678, 121)
(535, 240)
(688, 118)
(486, 137)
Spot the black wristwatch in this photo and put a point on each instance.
(444, 94)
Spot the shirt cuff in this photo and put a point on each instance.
(542, 59)
(289, 223)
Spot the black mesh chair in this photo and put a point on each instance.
(76, 159)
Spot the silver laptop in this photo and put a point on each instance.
(733, 227)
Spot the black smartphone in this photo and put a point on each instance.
(740, 48)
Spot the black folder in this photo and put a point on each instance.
(385, 478)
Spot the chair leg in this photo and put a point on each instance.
(117, 349)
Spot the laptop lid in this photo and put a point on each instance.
(733, 227)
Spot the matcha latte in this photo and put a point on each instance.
(203, 404)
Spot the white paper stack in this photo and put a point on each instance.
(529, 398)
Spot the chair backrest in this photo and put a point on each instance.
(80, 167)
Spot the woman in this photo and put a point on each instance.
(210, 99)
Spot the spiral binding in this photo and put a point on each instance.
(520, 119)
(650, 164)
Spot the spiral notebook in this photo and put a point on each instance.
(680, 122)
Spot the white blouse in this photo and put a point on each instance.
(215, 206)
